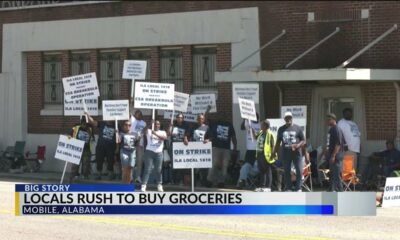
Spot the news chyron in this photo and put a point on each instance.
(82, 199)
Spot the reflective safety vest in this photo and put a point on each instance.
(267, 146)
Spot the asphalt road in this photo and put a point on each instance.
(383, 226)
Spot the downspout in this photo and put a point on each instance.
(396, 85)
(280, 98)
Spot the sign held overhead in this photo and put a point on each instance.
(134, 69)
(154, 95)
(247, 109)
(200, 103)
(81, 86)
(115, 109)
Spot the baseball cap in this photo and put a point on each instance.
(331, 115)
(288, 114)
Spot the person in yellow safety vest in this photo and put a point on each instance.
(264, 147)
(83, 132)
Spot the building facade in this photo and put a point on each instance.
(195, 44)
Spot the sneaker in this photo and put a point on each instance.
(160, 188)
(266, 189)
(241, 184)
(143, 188)
(138, 180)
(299, 190)
(258, 190)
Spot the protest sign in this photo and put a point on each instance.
(115, 109)
(154, 95)
(181, 101)
(249, 91)
(391, 194)
(69, 149)
(188, 117)
(297, 111)
(200, 103)
(194, 155)
(247, 109)
(76, 107)
(134, 69)
(80, 87)
(276, 123)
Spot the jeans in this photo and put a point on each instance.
(139, 162)
(220, 162)
(336, 170)
(151, 158)
(107, 150)
(265, 169)
(288, 159)
(85, 162)
(248, 170)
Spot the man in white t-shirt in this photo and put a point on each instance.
(351, 134)
(137, 128)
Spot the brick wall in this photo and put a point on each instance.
(60, 124)
(273, 17)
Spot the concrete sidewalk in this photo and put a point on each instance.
(55, 177)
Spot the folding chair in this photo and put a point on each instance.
(349, 177)
(307, 178)
(13, 157)
(34, 160)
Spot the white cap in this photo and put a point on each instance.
(288, 114)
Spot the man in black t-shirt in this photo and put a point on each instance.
(222, 134)
(292, 138)
(335, 153)
(105, 147)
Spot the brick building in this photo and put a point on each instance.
(195, 44)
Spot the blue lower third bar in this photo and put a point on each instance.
(185, 209)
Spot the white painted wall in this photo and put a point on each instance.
(239, 27)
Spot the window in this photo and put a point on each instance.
(171, 67)
(110, 75)
(80, 63)
(204, 67)
(141, 54)
(53, 89)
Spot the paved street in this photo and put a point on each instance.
(384, 226)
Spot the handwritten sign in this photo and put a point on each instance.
(80, 87)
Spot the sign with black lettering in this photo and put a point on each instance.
(297, 111)
(116, 109)
(247, 109)
(134, 69)
(249, 91)
(69, 149)
(194, 155)
(154, 95)
(76, 107)
(80, 87)
(391, 194)
(200, 103)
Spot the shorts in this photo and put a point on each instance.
(128, 157)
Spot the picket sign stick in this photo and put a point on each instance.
(85, 110)
(65, 169)
(192, 179)
(116, 127)
(153, 119)
(132, 87)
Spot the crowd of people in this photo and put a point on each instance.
(144, 152)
